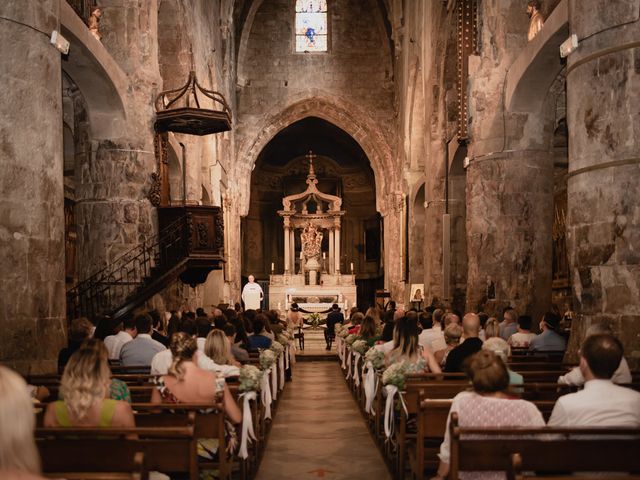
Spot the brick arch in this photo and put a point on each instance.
(342, 114)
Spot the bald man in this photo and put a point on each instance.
(471, 345)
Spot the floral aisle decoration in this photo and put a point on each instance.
(267, 359)
(278, 348)
(359, 348)
(250, 383)
(344, 333)
(393, 379)
(337, 329)
(373, 360)
(286, 341)
(348, 343)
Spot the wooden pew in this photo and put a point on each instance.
(544, 450)
(82, 449)
(414, 392)
(431, 426)
(517, 473)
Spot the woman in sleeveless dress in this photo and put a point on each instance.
(294, 318)
(84, 389)
(407, 349)
(187, 383)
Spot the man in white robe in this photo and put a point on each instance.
(252, 295)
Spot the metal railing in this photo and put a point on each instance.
(107, 290)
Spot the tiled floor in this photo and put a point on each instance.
(319, 432)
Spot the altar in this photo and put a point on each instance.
(315, 283)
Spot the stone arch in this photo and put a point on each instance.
(342, 114)
(97, 75)
(537, 67)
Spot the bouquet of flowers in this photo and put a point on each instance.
(267, 358)
(344, 332)
(277, 348)
(350, 339)
(338, 328)
(376, 357)
(360, 346)
(250, 377)
(315, 320)
(394, 375)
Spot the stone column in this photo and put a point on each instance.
(603, 218)
(509, 220)
(336, 249)
(287, 256)
(331, 254)
(31, 188)
(292, 253)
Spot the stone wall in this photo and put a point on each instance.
(32, 304)
(603, 87)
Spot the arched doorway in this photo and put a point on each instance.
(343, 169)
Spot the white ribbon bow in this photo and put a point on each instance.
(349, 364)
(247, 424)
(389, 410)
(274, 382)
(369, 388)
(356, 370)
(339, 346)
(344, 355)
(286, 357)
(281, 371)
(266, 394)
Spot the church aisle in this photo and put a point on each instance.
(319, 432)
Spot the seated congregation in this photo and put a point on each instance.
(478, 398)
(125, 406)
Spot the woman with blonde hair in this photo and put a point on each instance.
(406, 348)
(491, 328)
(452, 335)
(218, 348)
(85, 386)
(19, 458)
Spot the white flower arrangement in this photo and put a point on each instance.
(376, 357)
(338, 328)
(250, 377)
(283, 339)
(394, 374)
(350, 339)
(267, 358)
(344, 333)
(360, 346)
(277, 348)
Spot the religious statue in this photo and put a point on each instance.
(537, 20)
(94, 22)
(311, 241)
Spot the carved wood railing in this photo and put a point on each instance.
(82, 8)
(189, 245)
(106, 291)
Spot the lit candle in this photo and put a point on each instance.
(273, 267)
(324, 255)
(351, 267)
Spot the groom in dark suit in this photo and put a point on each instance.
(335, 316)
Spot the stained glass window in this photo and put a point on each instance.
(311, 26)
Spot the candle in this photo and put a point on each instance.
(324, 255)
(273, 267)
(351, 267)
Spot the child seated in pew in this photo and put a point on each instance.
(488, 405)
(85, 390)
(19, 459)
(185, 382)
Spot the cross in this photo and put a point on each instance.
(310, 156)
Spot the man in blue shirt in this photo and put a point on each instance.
(549, 339)
(258, 340)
